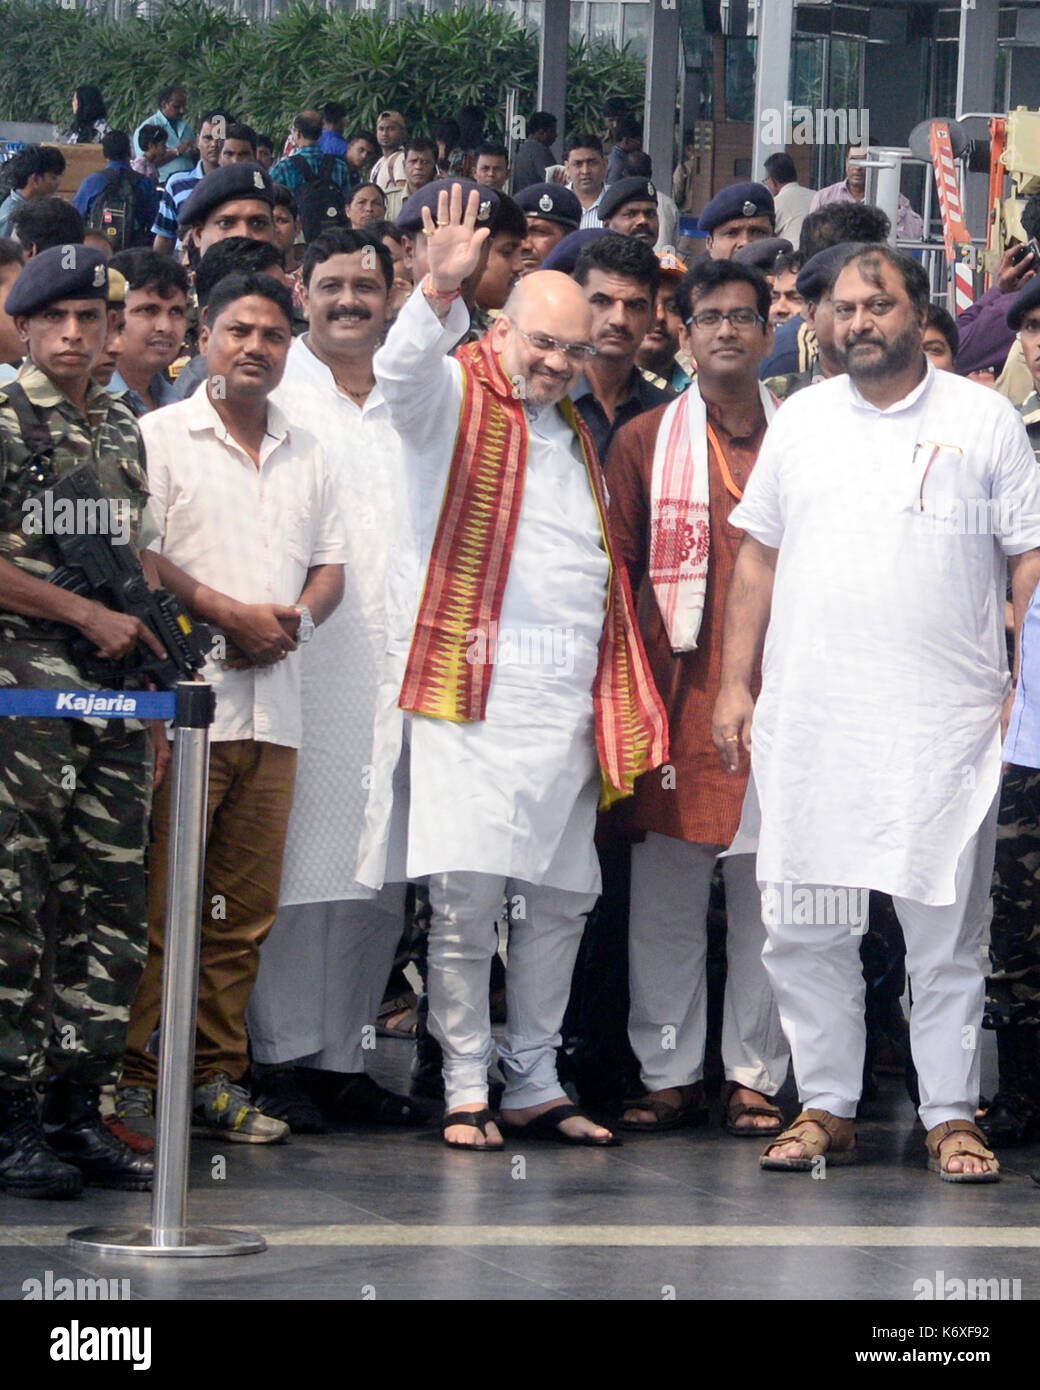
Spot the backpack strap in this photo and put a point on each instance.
(304, 167)
(327, 167)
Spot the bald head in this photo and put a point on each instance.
(550, 295)
(543, 305)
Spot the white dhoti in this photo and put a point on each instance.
(667, 949)
(323, 970)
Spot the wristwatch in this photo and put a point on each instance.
(305, 631)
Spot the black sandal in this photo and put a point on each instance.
(477, 1119)
(547, 1126)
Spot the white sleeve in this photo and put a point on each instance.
(330, 540)
(1015, 487)
(760, 512)
(422, 385)
(158, 475)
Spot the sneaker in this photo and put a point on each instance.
(224, 1109)
(135, 1109)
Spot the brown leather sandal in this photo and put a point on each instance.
(971, 1142)
(692, 1111)
(734, 1110)
(837, 1147)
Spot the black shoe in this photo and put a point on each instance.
(28, 1166)
(1009, 1121)
(277, 1092)
(73, 1127)
(357, 1099)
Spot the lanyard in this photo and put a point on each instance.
(727, 476)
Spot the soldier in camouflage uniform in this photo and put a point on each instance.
(1013, 987)
(74, 793)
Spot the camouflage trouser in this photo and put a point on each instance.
(74, 803)
(1013, 987)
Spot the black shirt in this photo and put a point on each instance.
(642, 395)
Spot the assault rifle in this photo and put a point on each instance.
(96, 566)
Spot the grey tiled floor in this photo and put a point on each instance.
(393, 1215)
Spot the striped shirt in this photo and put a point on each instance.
(174, 195)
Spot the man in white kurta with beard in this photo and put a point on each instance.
(513, 652)
(878, 520)
(325, 964)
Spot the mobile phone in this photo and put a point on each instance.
(1032, 245)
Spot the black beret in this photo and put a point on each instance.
(625, 191)
(61, 272)
(551, 201)
(817, 274)
(224, 185)
(739, 200)
(1027, 298)
(761, 254)
(409, 219)
(564, 255)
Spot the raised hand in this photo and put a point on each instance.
(454, 241)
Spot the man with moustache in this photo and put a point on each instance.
(325, 964)
(516, 691)
(737, 216)
(250, 540)
(630, 207)
(552, 211)
(181, 182)
(657, 356)
(876, 751)
(620, 277)
(674, 472)
(813, 286)
(235, 200)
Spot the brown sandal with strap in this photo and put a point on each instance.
(691, 1111)
(734, 1110)
(837, 1145)
(971, 1143)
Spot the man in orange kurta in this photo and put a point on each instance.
(674, 476)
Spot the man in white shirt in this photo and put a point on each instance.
(245, 507)
(324, 967)
(388, 171)
(518, 664)
(878, 519)
(791, 202)
(586, 171)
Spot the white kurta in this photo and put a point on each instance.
(341, 663)
(876, 739)
(515, 794)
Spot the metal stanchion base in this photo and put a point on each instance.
(143, 1240)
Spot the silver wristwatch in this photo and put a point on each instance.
(305, 631)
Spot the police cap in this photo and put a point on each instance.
(552, 202)
(409, 219)
(72, 271)
(224, 185)
(626, 191)
(1027, 298)
(739, 200)
(817, 274)
(564, 255)
(761, 254)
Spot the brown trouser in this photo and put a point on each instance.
(247, 815)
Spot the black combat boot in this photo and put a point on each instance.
(1013, 1116)
(74, 1129)
(28, 1167)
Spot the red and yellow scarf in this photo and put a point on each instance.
(467, 576)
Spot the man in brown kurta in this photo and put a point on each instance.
(688, 810)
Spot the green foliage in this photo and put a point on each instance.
(426, 65)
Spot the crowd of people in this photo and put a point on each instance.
(513, 514)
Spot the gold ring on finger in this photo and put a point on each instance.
(733, 738)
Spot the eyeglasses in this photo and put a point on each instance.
(711, 318)
(574, 352)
